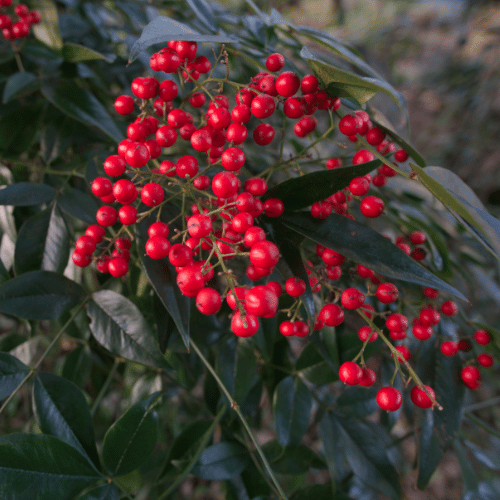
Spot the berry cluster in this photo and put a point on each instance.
(202, 172)
(12, 29)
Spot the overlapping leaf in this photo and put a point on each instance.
(12, 371)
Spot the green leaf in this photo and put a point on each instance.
(19, 128)
(19, 85)
(459, 198)
(42, 243)
(47, 31)
(62, 411)
(82, 106)
(4, 274)
(12, 372)
(347, 84)
(237, 367)
(25, 194)
(365, 246)
(429, 451)
(78, 204)
(469, 476)
(37, 466)
(163, 29)
(300, 192)
(204, 13)
(120, 327)
(222, 461)
(314, 367)
(162, 276)
(104, 492)
(364, 446)
(77, 365)
(488, 458)
(292, 459)
(73, 52)
(292, 407)
(132, 438)
(357, 402)
(39, 295)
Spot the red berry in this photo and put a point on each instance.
(114, 166)
(396, 322)
(81, 260)
(263, 134)
(180, 255)
(485, 360)
(431, 293)
(275, 62)
(482, 337)
(352, 298)
(368, 377)
(96, 232)
(253, 235)
(166, 136)
(421, 332)
(449, 348)
(199, 225)
(233, 159)
(350, 373)
(295, 286)
(127, 215)
(405, 353)
(225, 184)
(263, 106)
(348, 125)
(85, 245)
(157, 247)
(117, 267)
(372, 207)
(288, 328)
(261, 301)
(236, 133)
(362, 156)
(331, 315)
(273, 207)
(449, 308)
(106, 216)
(187, 167)
(137, 155)
(264, 254)
(366, 333)
(400, 155)
(208, 301)
(158, 229)
(387, 293)
(190, 281)
(471, 377)
(464, 345)
(245, 326)
(375, 136)
(124, 104)
(389, 398)
(197, 100)
(420, 398)
(287, 84)
(359, 186)
(101, 186)
(309, 84)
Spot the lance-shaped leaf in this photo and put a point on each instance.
(19, 85)
(429, 451)
(163, 29)
(62, 411)
(35, 466)
(25, 194)
(292, 409)
(47, 30)
(120, 327)
(132, 438)
(73, 52)
(43, 242)
(82, 106)
(39, 295)
(303, 191)
(12, 372)
(204, 13)
(162, 276)
(222, 461)
(78, 204)
(365, 246)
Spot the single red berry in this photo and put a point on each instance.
(273, 207)
(471, 377)
(225, 184)
(124, 105)
(309, 84)
(201, 182)
(375, 136)
(157, 247)
(396, 322)
(387, 293)
(404, 353)
(80, 259)
(332, 258)
(449, 308)
(421, 332)
(389, 398)
(253, 235)
(199, 225)
(364, 272)
(187, 167)
(101, 186)
(197, 100)
(263, 134)
(180, 255)
(352, 298)
(236, 133)
(255, 186)
(127, 215)
(485, 360)
(368, 377)
(449, 348)
(96, 232)
(233, 159)
(331, 315)
(152, 194)
(288, 328)
(263, 106)
(137, 155)
(264, 254)
(362, 156)
(190, 281)
(420, 398)
(275, 287)
(431, 293)
(350, 373)
(85, 245)
(400, 155)
(114, 166)
(366, 333)
(464, 345)
(158, 229)
(275, 62)
(359, 186)
(261, 301)
(166, 136)
(241, 222)
(117, 267)
(295, 286)
(287, 84)
(482, 337)
(333, 163)
(348, 125)
(418, 253)
(208, 301)
(244, 326)
(417, 237)
(372, 207)
(106, 216)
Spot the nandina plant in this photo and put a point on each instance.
(259, 240)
